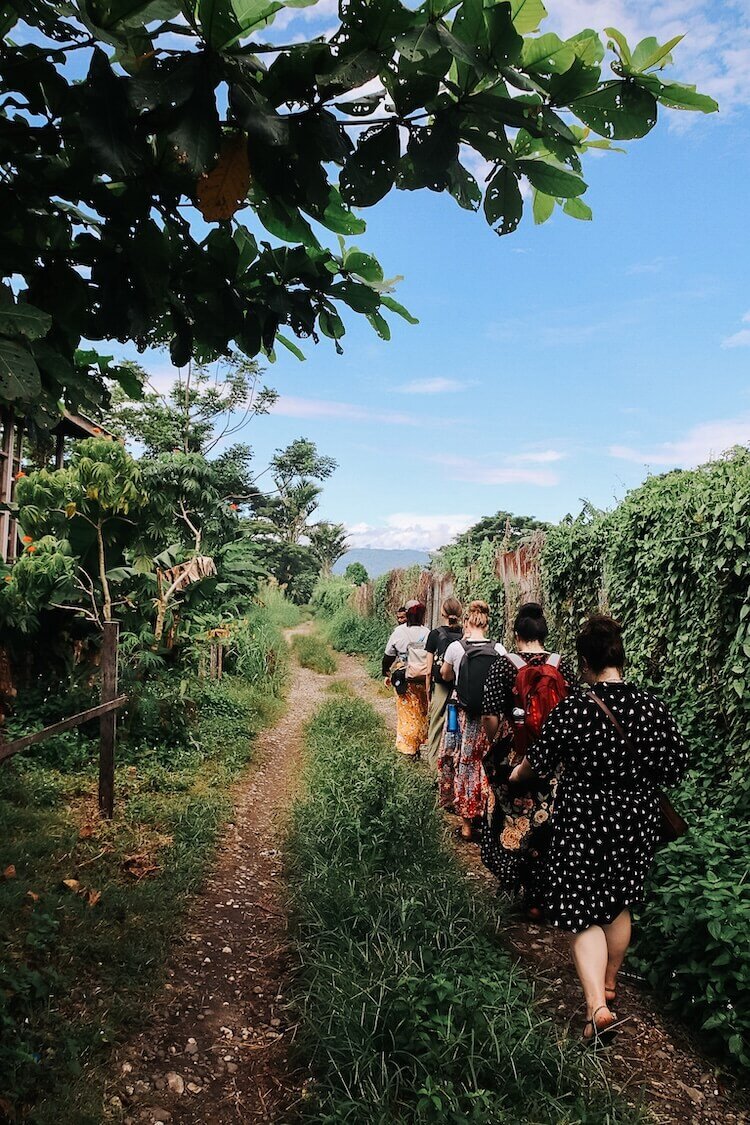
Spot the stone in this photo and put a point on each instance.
(176, 1083)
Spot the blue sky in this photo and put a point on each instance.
(565, 361)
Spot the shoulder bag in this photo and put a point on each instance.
(672, 826)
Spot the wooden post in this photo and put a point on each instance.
(6, 477)
(108, 722)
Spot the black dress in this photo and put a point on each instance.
(605, 825)
(516, 827)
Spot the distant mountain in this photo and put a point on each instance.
(377, 561)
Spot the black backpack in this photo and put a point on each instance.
(472, 673)
(445, 638)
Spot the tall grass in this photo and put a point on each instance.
(313, 652)
(279, 610)
(349, 632)
(410, 1010)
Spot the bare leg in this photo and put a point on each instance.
(467, 827)
(590, 957)
(617, 935)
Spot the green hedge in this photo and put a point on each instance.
(410, 1010)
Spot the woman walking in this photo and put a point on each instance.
(463, 784)
(438, 689)
(607, 819)
(516, 829)
(406, 659)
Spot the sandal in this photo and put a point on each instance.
(602, 1036)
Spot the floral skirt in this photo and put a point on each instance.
(411, 718)
(463, 784)
(516, 835)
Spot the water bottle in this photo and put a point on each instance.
(452, 713)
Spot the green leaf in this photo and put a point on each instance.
(463, 187)
(399, 309)
(128, 380)
(547, 54)
(542, 207)
(19, 374)
(527, 14)
(620, 42)
(337, 217)
(551, 179)
(217, 21)
(587, 46)
(369, 172)
(252, 15)
(290, 346)
(648, 52)
(577, 209)
(380, 324)
(364, 265)
(676, 96)
(618, 110)
(503, 203)
(331, 324)
(21, 319)
(285, 222)
(247, 247)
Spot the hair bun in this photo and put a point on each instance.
(531, 609)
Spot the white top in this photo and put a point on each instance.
(403, 636)
(455, 652)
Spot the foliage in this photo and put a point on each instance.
(106, 177)
(330, 595)
(328, 543)
(356, 574)
(694, 930)
(77, 971)
(313, 652)
(505, 530)
(400, 959)
(295, 472)
(471, 561)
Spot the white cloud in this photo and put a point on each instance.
(704, 442)
(476, 471)
(411, 531)
(290, 406)
(432, 387)
(543, 456)
(740, 339)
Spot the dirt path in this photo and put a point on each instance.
(655, 1059)
(214, 1051)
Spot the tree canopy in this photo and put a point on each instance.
(169, 176)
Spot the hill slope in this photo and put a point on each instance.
(377, 561)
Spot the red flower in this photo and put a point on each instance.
(27, 539)
(20, 474)
(234, 507)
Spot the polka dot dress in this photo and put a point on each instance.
(605, 824)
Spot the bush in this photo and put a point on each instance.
(313, 652)
(330, 595)
(410, 1009)
(349, 632)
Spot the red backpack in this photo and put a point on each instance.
(537, 691)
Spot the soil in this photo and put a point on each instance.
(214, 1049)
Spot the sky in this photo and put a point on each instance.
(564, 362)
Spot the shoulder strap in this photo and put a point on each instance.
(553, 660)
(625, 739)
(517, 661)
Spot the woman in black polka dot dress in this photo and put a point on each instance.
(606, 822)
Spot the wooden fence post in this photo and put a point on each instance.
(108, 723)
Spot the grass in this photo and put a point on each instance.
(314, 652)
(349, 632)
(79, 963)
(410, 1010)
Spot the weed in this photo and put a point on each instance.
(314, 653)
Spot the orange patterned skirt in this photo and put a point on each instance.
(411, 718)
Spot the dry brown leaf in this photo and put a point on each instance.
(72, 885)
(10, 872)
(87, 831)
(32, 896)
(139, 866)
(223, 190)
(92, 897)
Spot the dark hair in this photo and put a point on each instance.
(452, 611)
(401, 609)
(531, 624)
(599, 643)
(415, 614)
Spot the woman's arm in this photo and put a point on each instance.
(522, 773)
(446, 671)
(428, 673)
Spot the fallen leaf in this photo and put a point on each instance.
(223, 190)
(139, 866)
(10, 872)
(72, 885)
(87, 831)
(32, 896)
(92, 897)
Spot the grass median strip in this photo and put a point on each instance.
(410, 1009)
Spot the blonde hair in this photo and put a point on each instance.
(452, 610)
(478, 615)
